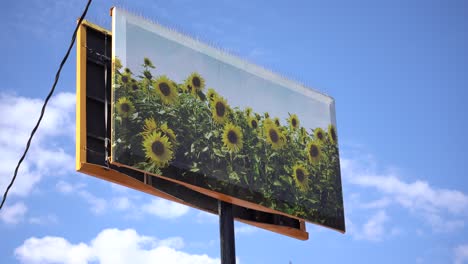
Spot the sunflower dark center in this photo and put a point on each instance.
(314, 151)
(147, 74)
(125, 107)
(320, 135)
(220, 109)
(294, 122)
(124, 79)
(254, 123)
(135, 87)
(196, 81)
(232, 137)
(333, 134)
(165, 89)
(300, 175)
(158, 148)
(273, 135)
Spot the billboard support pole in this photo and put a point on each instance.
(226, 233)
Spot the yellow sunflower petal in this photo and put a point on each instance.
(314, 153)
(301, 177)
(124, 107)
(158, 149)
(332, 136)
(219, 110)
(166, 90)
(293, 121)
(232, 137)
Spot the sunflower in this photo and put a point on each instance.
(319, 134)
(274, 135)
(128, 71)
(125, 79)
(258, 116)
(166, 90)
(276, 121)
(196, 82)
(232, 137)
(169, 133)
(253, 122)
(219, 109)
(248, 111)
(332, 134)
(150, 126)
(313, 151)
(211, 94)
(147, 63)
(117, 64)
(134, 85)
(158, 149)
(301, 177)
(294, 121)
(267, 121)
(124, 107)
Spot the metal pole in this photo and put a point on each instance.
(226, 233)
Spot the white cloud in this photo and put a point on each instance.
(442, 209)
(165, 209)
(19, 116)
(461, 254)
(13, 214)
(373, 229)
(110, 246)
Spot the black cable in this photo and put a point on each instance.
(57, 76)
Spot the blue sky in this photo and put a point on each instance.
(397, 70)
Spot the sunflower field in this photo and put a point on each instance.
(189, 132)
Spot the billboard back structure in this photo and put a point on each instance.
(191, 114)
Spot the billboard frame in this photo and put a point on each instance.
(251, 68)
(144, 182)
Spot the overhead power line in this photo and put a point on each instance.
(51, 92)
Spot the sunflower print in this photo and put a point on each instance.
(219, 109)
(150, 126)
(253, 122)
(196, 82)
(232, 137)
(332, 134)
(277, 121)
(248, 111)
(166, 90)
(125, 107)
(169, 133)
(301, 177)
(158, 149)
(274, 136)
(147, 63)
(314, 152)
(211, 94)
(319, 135)
(293, 121)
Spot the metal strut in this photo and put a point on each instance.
(226, 233)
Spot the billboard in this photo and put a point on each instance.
(189, 113)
